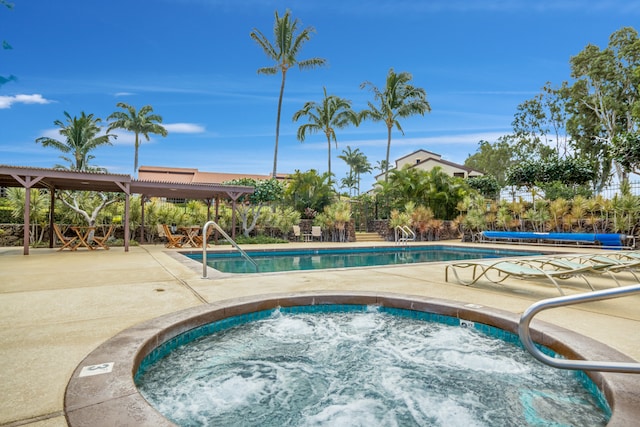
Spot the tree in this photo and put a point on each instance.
(81, 136)
(626, 151)
(399, 99)
(492, 159)
(570, 171)
(6, 46)
(308, 190)
(607, 86)
(539, 124)
(331, 114)
(433, 188)
(140, 123)
(284, 51)
(381, 165)
(487, 185)
(361, 166)
(265, 191)
(358, 164)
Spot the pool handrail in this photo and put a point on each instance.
(229, 239)
(406, 231)
(587, 365)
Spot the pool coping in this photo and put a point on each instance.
(111, 397)
(183, 257)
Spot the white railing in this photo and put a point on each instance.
(404, 234)
(229, 239)
(587, 365)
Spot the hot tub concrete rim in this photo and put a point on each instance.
(113, 398)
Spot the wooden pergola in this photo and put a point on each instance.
(57, 179)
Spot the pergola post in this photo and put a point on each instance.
(126, 215)
(52, 206)
(142, 200)
(27, 216)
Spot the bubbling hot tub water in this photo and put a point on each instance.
(361, 369)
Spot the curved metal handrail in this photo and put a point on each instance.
(409, 231)
(404, 237)
(525, 334)
(229, 239)
(406, 232)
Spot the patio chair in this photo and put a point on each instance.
(67, 242)
(316, 231)
(296, 232)
(518, 269)
(199, 240)
(101, 241)
(173, 240)
(161, 235)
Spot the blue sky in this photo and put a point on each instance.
(194, 62)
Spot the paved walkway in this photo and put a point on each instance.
(56, 307)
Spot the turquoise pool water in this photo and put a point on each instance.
(316, 259)
(356, 365)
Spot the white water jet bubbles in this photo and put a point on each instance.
(357, 413)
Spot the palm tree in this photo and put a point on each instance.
(81, 136)
(361, 166)
(399, 99)
(358, 164)
(331, 114)
(350, 157)
(284, 52)
(140, 123)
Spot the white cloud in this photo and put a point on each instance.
(36, 98)
(183, 128)
(118, 94)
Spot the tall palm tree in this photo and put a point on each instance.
(140, 123)
(361, 166)
(80, 137)
(358, 164)
(331, 114)
(284, 51)
(399, 99)
(350, 157)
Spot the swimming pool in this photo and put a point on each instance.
(317, 259)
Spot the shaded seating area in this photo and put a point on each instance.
(605, 240)
(497, 271)
(55, 180)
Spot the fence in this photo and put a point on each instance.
(607, 192)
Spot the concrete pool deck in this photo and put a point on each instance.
(57, 307)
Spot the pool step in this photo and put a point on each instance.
(368, 237)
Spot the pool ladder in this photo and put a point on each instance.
(527, 316)
(229, 239)
(404, 234)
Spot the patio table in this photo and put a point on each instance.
(84, 233)
(191, 232)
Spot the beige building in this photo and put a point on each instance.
(190, 175)
(426, 160)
